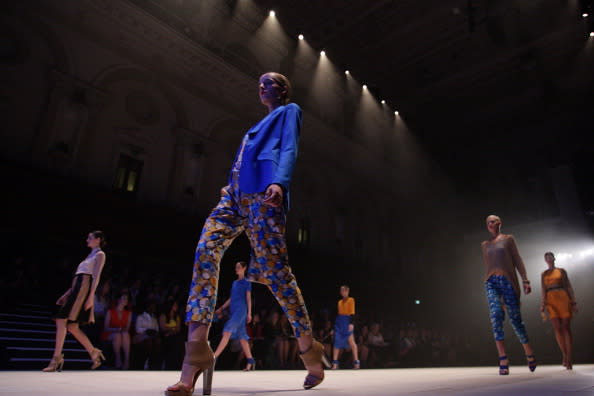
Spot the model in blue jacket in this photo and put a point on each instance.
(255, 201)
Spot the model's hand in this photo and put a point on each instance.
(89, 305)
(574, 307)
(527, 288)
(542, 308)
(351, 328)
(61, 300)
(249, 318)
(273, 196)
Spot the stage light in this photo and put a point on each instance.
(322, 52)
(591, 34)
(417, 302)
(585, 14)
(347, 72)
(396, 112)
(383, 102)
(364, 86)
(586, 253)
(301, 37)
(272, 13)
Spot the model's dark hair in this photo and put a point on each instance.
(345, 286)
(100, 235)
(549, 253)
(243, 264)
(284, 82)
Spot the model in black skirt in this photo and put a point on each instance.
(76, 305)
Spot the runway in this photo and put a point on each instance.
(483, 381)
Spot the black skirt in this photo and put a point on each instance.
(74, 307)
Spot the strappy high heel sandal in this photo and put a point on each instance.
(251, 365)
(335, 365)
(503, 368)
(531, 362)
(313, 356)
(97, 358)
(55, 364)
(356, 364)
(200, 358)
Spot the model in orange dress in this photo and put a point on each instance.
(559, 301)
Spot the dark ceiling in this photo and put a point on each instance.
(467, 76)
(464, 74)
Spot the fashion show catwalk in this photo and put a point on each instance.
(482, 381)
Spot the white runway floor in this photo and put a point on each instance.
(483, 381)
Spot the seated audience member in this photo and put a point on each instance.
(324, 335)
(172, 341)
(117, 330)
(376, 344)
(147, 338)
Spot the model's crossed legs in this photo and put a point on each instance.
(500, 292)
(62, 327)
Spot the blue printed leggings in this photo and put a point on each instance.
(500, 291)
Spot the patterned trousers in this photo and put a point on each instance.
(265, 228)
(499, 292)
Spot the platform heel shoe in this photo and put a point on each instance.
(251, 365)
(200, 358)
(531, 362)
(503, 368)
(313, 356)
(55, 364)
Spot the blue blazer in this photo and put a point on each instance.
(270, 152)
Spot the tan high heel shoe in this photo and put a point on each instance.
(200, 358)
(55, 364)
(313, 356)
(97, 358)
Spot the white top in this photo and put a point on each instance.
(92, 264)
(146, 321)
(375, 340)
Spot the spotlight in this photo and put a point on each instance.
(396, 112)
(586, 253)
(347, 72)
(585, 15)
(417, 302)
(272, 13)
(322, 52)
(383, 102)
(364, 86)
(301, 37)
(591, 34)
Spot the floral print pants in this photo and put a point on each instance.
(265, 228)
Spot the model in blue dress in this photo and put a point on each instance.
(241, 314)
